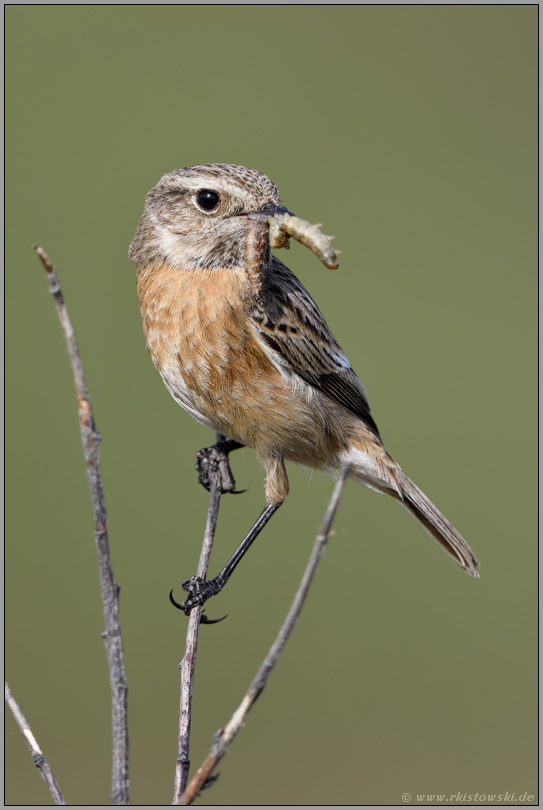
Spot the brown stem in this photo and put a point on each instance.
(223, 738)
(188, 663)
(110, 589)
(37, 755)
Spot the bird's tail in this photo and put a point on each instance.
(372, 466)
(437, 525)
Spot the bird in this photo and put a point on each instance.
(248, 353)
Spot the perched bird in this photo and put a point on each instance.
(248, 353)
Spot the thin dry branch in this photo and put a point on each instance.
(223, 738)
(188, 663)
(110, 588)
(37, 755)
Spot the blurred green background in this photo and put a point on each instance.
(410, 131)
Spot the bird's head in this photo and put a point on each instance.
(196, 217)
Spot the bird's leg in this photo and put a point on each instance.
(200, 589)
(212, 463)
(216, 458)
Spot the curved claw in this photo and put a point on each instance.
(212, 462)
(174, 603)
(239, 491)
(206, 620)
(203, 618)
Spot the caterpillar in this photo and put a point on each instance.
(283, 226)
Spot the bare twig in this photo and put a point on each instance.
(188, 663)
(37, 755)
(110, 589)
(223, 738)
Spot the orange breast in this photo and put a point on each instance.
(199, 337)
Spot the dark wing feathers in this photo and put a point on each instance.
(290, 323)
(342, 387)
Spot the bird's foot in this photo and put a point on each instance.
(200, 591)
(214, 460)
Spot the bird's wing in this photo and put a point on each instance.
(288, 322)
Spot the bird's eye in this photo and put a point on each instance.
(208, 200)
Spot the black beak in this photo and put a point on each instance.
(272, 209)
